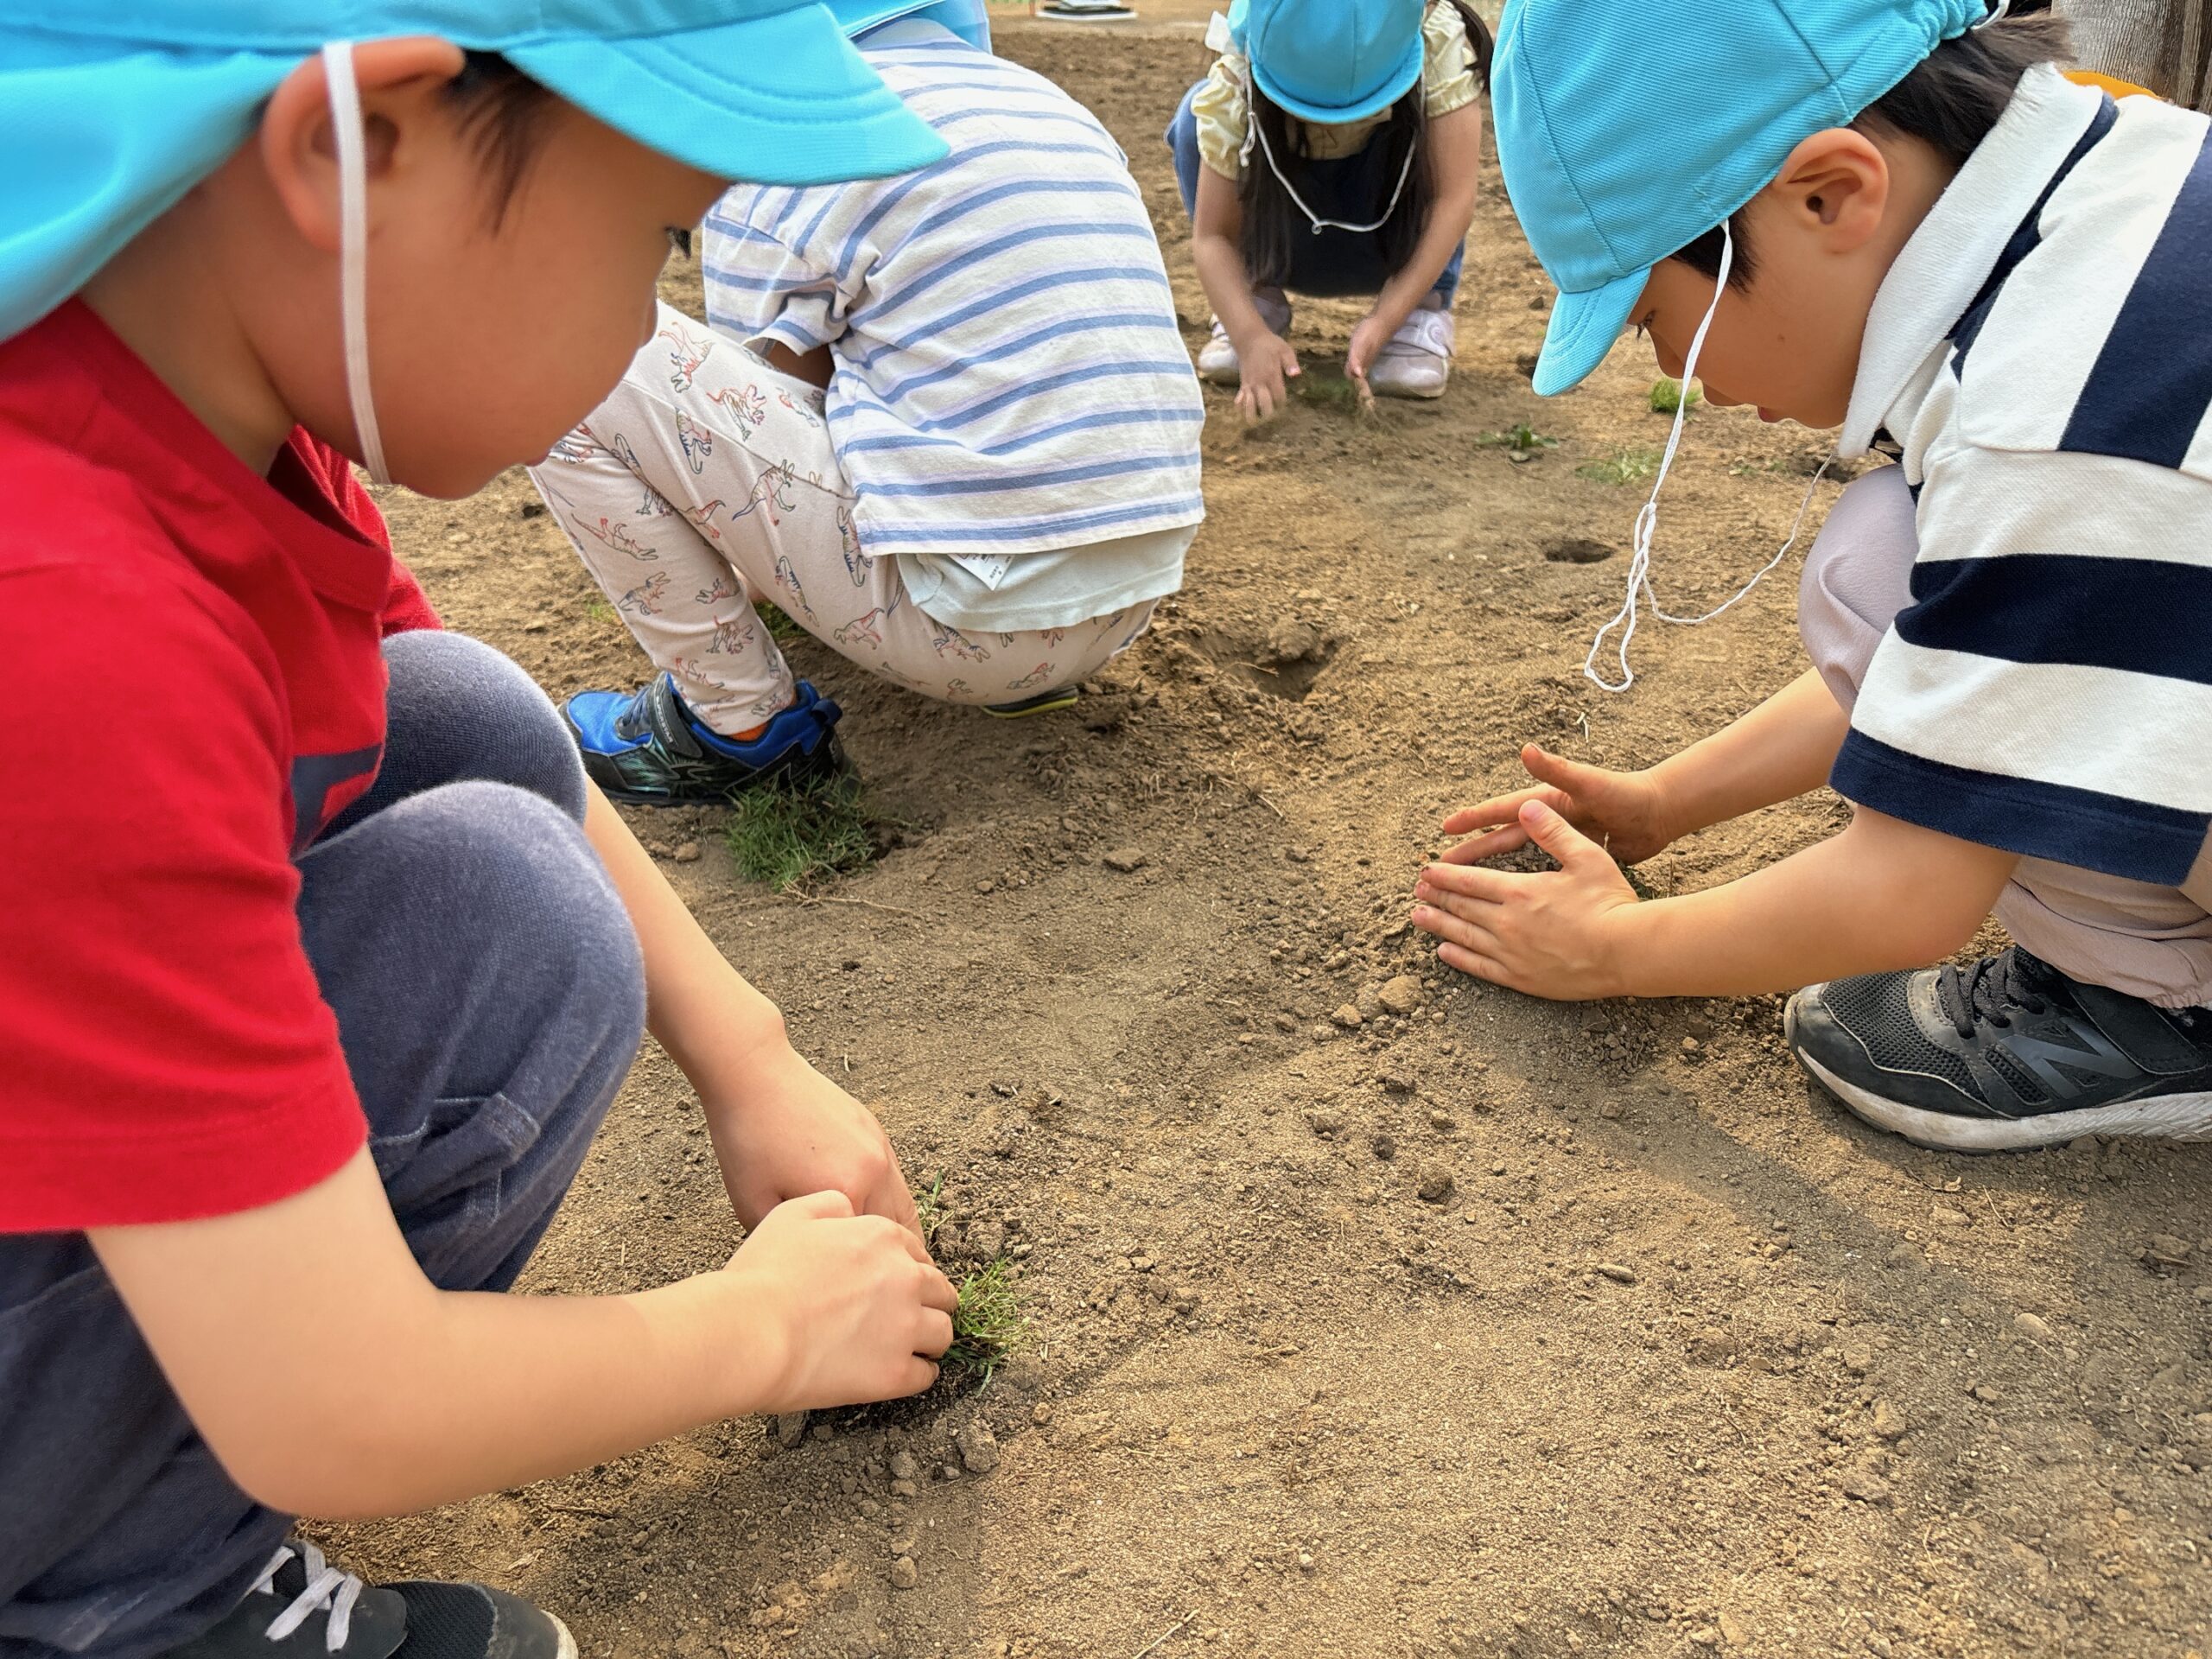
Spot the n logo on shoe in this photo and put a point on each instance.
(2053, 1063)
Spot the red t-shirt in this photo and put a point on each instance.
(189, 662)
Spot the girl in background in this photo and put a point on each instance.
(1332, 150)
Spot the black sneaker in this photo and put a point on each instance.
(302, 1606)
(2007, 1053)
(648, 750)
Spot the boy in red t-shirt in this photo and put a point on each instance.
(312, 1006)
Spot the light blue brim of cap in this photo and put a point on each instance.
(1583, 329)
(783, 99)
(1400, 82)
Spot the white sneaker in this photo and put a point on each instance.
(1417, 360)
(1218, 357)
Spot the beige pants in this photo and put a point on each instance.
(2151, 941)
(706, 481)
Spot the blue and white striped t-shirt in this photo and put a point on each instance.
(1009, 377)
(2041, 352)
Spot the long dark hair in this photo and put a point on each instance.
(1272, 218)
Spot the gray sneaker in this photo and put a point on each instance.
(301, 1607)
(2005, 1054)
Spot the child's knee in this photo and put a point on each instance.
(461, 711)
(1857, 577)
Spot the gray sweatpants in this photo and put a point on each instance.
(490, 999)
(2151, 941)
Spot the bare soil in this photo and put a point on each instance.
(1674, 1356)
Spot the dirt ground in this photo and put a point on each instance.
(1682, 1359)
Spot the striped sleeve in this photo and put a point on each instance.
(766, 289)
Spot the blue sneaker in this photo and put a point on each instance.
(647, 749)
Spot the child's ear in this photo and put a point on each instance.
(1835, 186)
(299, 147)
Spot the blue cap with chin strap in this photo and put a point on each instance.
(1626, 132)
(1331, 61)
(111, 112)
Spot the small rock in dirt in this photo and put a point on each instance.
(903, 1466)
(660, 849)
(1347, 1016)
(1442, 1123)
(1858, 1361)
(905, 1575)
(1395, 1083)
(1714, 1346)
(1610, 1111)
(1889, 1422)
(1617, 1273)
(790, 1429)
(687, 852)
(1286, 1023)
(1866, 1487)
(1403, 995)
(1984, 1392)
(1125, 859)
(1731, 1629)
(1384, 1147)
(1323, 1121)
(2034, 1327)
(1040, 1414)
(1436, 1184)
(2165, 1248)
(1946, 1217)
(978, 1447)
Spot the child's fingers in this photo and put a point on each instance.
(1493, 844)
(1488, 815)
(936, 1334)
(937, 1292)
(1471, 882)
(1471, 963)
(1455, 930)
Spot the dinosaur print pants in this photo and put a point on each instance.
(706, 481)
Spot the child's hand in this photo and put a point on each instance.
(781, 1129)
(838, 1309)
(1623, 811)
(1267, 362)
(1368, 339)
(1554, 934)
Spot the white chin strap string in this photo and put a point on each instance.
(1996, 14)
(1255, 134)
(1647, 522)
(353, 248)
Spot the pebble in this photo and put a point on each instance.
(1347, 1016)
(1617, 1273)
(1712, 1345)
(790, 1429)
(978, 1447)
(905, 1575)
(1858, 1361)
(1889, 1422)
(1040, 1414)
(1403, 995)
(1384, 1147)
(1286, 1023)
(1323, 1121)
(687, 852)
(1945, 1216)
(2168, 1248)
(903, 1466)
(1395, 1083)
(1442, 1123)
(1984, 1392)
(1125, 859)
(2033, 1327)
(1731, 1630)
(1866, 1487)
(1436, 1184)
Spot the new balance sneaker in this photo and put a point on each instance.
(303, 1606)
(1043, 702)
(2005, 1054)
(1218, 357)
(1416, 361)
(647, 749)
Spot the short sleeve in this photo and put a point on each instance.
(1224, 117)
(1448, 73)
(169, 1053)
(762, 289)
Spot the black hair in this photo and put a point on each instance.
(1950, 102)
(1272, 218)
(506, 112)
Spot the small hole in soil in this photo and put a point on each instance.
(1577, 549)
(1286, 662)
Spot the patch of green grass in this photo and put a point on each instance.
(785, 837)
(1622, 467)
(600, 611)
(989, 1325)
(780, 626)
(1326, 390)
(1668, 396)
(930, 1208)
(1519, 436)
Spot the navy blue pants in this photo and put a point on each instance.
(1327, 264)
(490, 998)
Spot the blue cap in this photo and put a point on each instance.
(1331, 61)
(111, 111)
(970, 19)
(1627, 131)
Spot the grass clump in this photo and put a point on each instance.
(1622, 467)
(1669, 396)
(1521, 437)
(784, 836)
(1326, 390)
(780, 625)
(989, 1325)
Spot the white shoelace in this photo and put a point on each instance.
(1647, 521)
(326, 1587)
